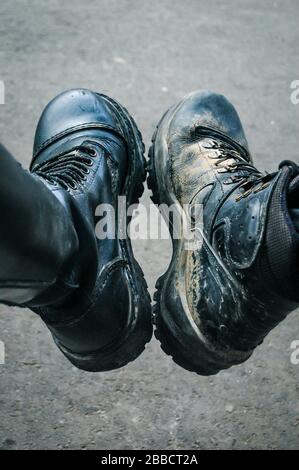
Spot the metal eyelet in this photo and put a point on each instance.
(243, 195)
(247, 193)
(73, 186)
(92, 152)
(260, 188)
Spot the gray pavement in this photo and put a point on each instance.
(147, 54)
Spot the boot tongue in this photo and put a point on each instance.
(293, 201)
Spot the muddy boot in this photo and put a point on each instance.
(221, 297)
(89, 290)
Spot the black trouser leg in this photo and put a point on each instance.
(37, 236)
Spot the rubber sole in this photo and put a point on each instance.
(168, 342)
(139, 330)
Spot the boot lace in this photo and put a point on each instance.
(68, 169)
(229, 160)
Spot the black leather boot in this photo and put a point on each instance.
(219, 300)
(89, 291)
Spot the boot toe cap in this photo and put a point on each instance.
(71, 111)
(207, 109)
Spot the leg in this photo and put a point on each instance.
(37, 236)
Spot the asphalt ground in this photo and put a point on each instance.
(148, 54)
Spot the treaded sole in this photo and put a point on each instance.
(161, 333)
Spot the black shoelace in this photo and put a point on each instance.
(69, 168)
(251, 179)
